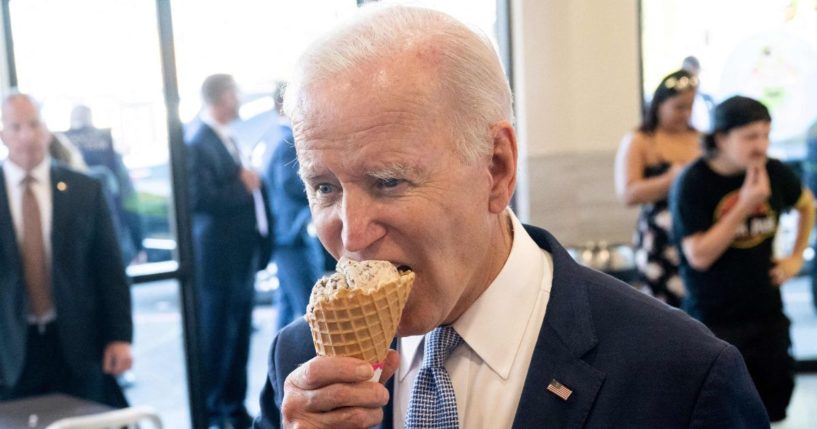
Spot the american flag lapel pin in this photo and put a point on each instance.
(559, 389)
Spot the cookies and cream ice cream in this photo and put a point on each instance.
(350, 275)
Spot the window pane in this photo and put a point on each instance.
(257, 41)
(480, 14)
(105, 56)
(770, 54)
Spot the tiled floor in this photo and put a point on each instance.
(802, 412)
(159, 369)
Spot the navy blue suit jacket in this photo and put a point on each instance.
(288, 198)
(630, 361)
(224, 224)
(90, 289)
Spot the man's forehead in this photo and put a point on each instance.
(19, 106)
(361, 159)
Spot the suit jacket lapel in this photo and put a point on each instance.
(225, 157)
(10, 245)
(566, 336)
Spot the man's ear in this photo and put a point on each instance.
(719, 138)
(502, 166)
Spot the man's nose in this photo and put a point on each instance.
(360, 227)
(27, 133)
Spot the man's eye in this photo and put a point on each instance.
(389, 183)
(324, 188)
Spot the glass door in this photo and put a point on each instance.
(96, 67)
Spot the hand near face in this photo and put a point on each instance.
(755, 189)
(335, 392)
(785, 268)
(117, 358)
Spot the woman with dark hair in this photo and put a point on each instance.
(647, 162)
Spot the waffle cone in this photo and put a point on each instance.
(359, 323)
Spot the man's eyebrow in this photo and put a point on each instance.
(306, 169)
(396, 170)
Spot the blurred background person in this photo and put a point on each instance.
(726, 207)
(231, 244)
(105, 163)
(62, 150)
(66, 307)
(704, 104)
(810, 173)
(647, 162)
(298, 253)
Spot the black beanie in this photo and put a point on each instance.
(735, 112)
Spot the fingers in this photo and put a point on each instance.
(341, 418)
(108, 363)
(250, 179)
(116, 360)
(390, 365)
(784, 269)
(321, 371)
(339, 395)
(751, 175)
(334, 392)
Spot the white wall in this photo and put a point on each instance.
(576, 77)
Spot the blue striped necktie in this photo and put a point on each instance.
(432, 404)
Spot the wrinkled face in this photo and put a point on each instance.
(23, 133)
(384, 182)
(675, 112)
(744, 146)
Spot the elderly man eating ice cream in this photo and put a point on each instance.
(404, 131)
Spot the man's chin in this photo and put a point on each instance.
(407, 329)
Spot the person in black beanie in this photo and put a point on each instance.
(725, 208)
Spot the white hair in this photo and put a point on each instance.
(469, 76)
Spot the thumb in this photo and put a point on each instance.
(390, 365)
(108, 362)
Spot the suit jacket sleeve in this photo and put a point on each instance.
(110, 279)
(728, 397)
(290, 348)
(270, 416)
(212, 193)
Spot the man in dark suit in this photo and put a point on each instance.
(403, 126)
(230, 233)
(65, 315)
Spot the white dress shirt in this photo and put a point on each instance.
(499, 330)
(14, 175)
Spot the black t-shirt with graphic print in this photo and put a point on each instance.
(737, 287)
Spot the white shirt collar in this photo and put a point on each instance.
(223, 130)
(15, 174)
(494, 325)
